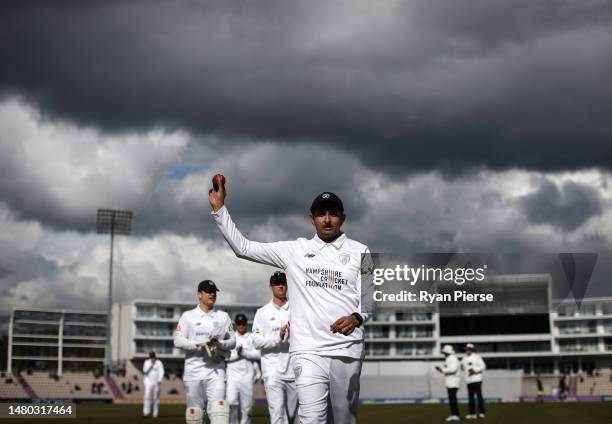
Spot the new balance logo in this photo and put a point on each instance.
(309, 255)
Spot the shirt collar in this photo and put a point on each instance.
(285, 306)
(204, 314)
(336, 243)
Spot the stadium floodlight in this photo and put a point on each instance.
(112, 221)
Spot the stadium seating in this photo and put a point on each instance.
(86, 380)
(599, 384)
(47, 388)
(10, 388)
(71, 385)
(172, 389)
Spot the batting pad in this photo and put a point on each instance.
(219, 412)
(194, 415)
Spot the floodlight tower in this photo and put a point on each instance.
(112, 221)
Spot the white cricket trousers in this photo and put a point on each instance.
(282, 400)
(323, 378)
(202, 393)
(240, 392)
(151, 394)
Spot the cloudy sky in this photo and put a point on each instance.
(464, 125)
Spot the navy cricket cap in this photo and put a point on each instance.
(207, 286)
(240, 319)
(278, 278)
(151, 354)
(326, 198)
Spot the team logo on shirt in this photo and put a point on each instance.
(345, 258)
(309, 255)
(325, 278)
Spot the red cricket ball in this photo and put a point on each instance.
(217, 180)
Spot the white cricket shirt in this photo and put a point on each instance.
(196, 326)
(275, 360)
(474, 362)
(451, 372)
(241, 365)
(153, 371)
(323, 283)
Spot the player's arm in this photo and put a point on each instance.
(257, 371)
(451, 367)
(266, 253)
(260, 341)
(162, 371)
(145, 369)
(249, 352)
(234, 356)
(180, 335)
(365, 316)
(346, 325)
(228, 342)
(479, 365)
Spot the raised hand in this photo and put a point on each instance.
(216, 195)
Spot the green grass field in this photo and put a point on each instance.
(510, 413)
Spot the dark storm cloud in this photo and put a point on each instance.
(566, 207)
(4, 272)
(264, 181)
(68, 172)
(17, 266)
(404, 85)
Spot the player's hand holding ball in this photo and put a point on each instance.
(216, 195)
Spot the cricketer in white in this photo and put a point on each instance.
(153, 371)
(474, 366)
(241, 373)
(324, 277)
(207, 336)
(270, 334)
